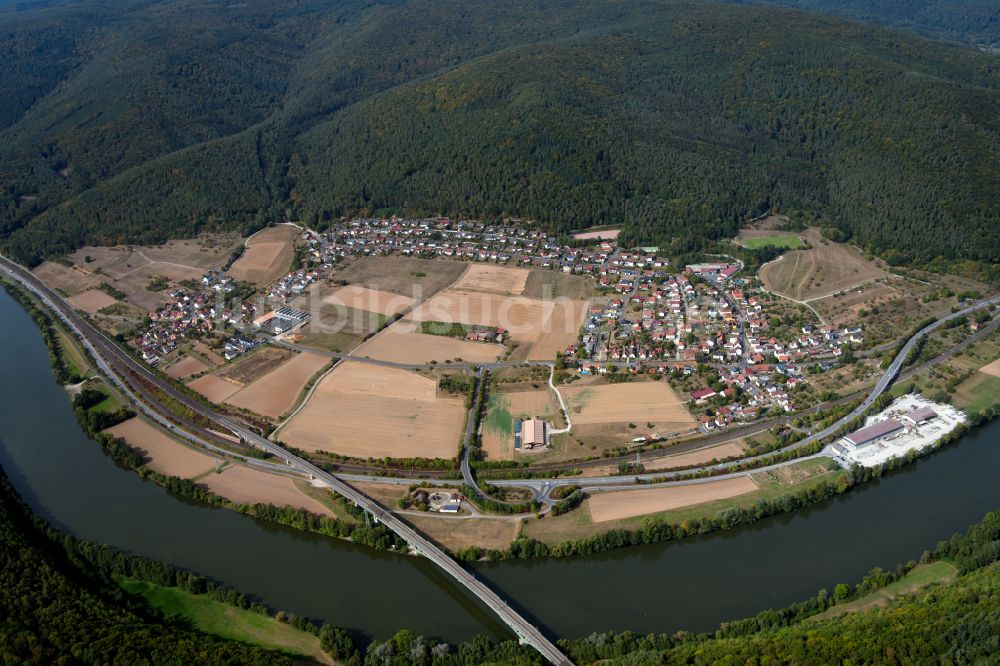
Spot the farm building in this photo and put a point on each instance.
(531, 434)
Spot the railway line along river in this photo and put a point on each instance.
(693, 584)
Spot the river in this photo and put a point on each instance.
(694, 584)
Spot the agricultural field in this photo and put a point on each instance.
(825, 268)
(331, 317)
(214, 388)
(611, 414)
(628, 503)
(91, 300)
(548, 284)
(703, 456)
(185, 367)
(356, 297)
(398, 344)
(537, 328)
(408, 276)
(489, 278)
(578, 523)
(598, 234)
(276, 392)
(363, 410)
(244, 485)
(268, 255)
(161, 452)
(501, 411)
(254, 365)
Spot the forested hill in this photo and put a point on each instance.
(139, 120)
(974, 21)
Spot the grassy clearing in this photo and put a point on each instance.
(73, 356)
(978, 392)
(326, 499)
(219, 619)
(498, 417)
(793, 479)
(111, 403)
(789, 242)
(922, 576)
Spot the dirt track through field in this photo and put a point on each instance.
(628, 503)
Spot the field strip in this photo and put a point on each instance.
(274, 435)
(630, 503)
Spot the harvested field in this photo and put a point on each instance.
(276, 392)
(638, 402)
(493, 279)
(825, 268)
(992, 369)
(398, 345)
(187, 366)
(699, 457)
(409, 276)
(91, 300)
(560, 331)
(250, 486)
(331, 318)
(362, 410)
(214, 389)
(268, 255)
(603, 234)
(627, 503)
(161, 452)
(458, 533)
(255, 365)
(361, 298)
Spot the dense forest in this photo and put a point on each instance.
(139, 120)
(974, 21)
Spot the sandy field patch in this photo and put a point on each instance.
(638, 402)
(276, 392)
(606, 234)
(268, 255)
(363, 410)
(991, 368)
(91, 300)
(215, 389)
(825, 268)
(628, 503)
(161, 452)
(398, 345)
(187, 366)
(495, 279)
(250, 486)
(699, 457)
(370, 300)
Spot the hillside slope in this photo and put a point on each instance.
(678, 119)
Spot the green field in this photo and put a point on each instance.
(978, 392)
(498, 417)
(919, 578)
(788, 242)
(219, 619)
